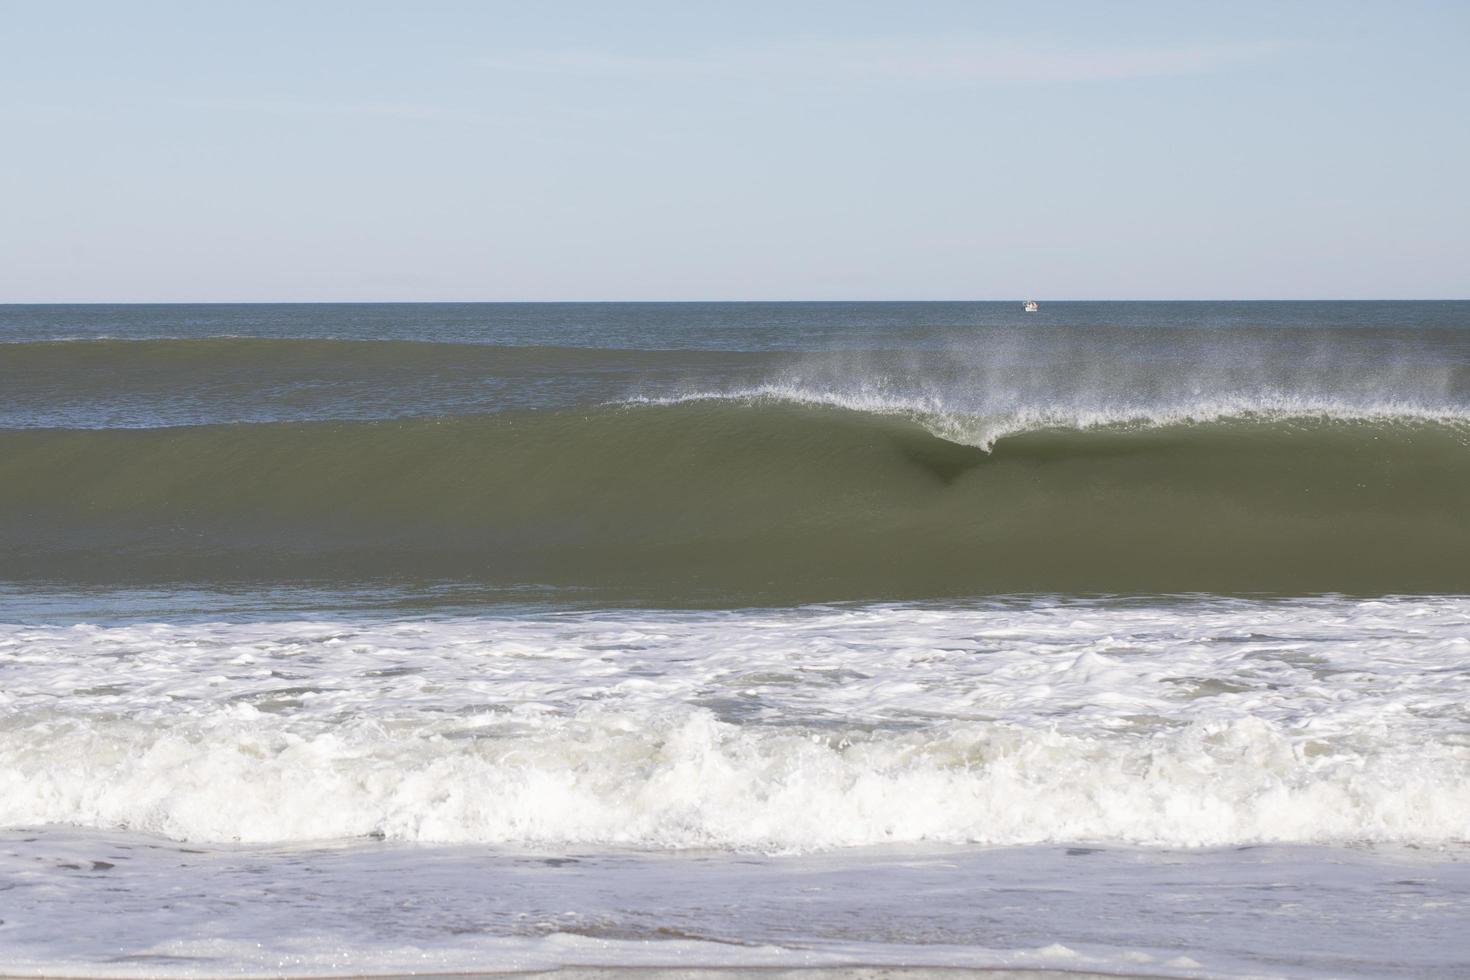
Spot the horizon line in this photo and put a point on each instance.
(695, 302)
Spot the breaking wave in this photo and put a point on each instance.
(766, 495)
(983, 429)
(1201, 722)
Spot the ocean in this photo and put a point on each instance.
(1116, 638)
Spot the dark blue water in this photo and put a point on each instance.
(697, 326)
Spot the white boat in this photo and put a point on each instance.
(1031, 306)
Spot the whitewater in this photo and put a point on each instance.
(1124, 640)
(1193, 723)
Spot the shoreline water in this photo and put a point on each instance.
(133, 905)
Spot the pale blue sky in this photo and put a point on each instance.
(741, 150)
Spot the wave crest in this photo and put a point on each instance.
(983, 429)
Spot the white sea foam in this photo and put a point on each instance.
(1191, 722)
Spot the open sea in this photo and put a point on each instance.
(1123, 638)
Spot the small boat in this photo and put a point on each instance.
(1031, 306)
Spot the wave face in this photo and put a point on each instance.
(1203, 722)
(763, 498)
(700, 455)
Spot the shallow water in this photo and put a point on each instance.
(132, 905)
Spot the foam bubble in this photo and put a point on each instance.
(1209, 722)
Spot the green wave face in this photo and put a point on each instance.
(754, 502)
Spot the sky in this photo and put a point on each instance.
(304, 151)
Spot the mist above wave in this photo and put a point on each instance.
(1014, 378)
(977, 389)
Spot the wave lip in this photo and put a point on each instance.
(983, 428)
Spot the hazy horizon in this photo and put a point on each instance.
(718, 301)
